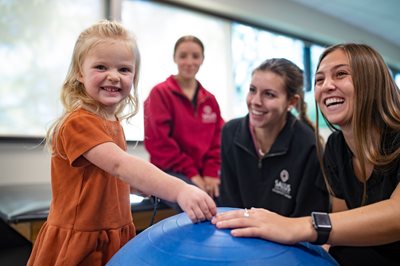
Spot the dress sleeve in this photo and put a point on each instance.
(81, 133)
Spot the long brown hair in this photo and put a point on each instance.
(73, 93)
(376, 106)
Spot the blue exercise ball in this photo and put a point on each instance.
(177, 241)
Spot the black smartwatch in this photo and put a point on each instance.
(323, 226)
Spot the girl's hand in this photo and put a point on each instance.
(212, 186)
(265, 224)
(196, 203)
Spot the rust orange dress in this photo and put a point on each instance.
(90, 216)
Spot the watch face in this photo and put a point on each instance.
(322, 220)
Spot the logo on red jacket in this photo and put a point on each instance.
(208, 116)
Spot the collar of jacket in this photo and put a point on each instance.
(244, 140)
(176, 89)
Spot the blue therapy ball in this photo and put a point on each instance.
(177, 241)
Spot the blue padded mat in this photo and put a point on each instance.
(177, 241)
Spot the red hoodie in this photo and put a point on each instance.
(179, 136)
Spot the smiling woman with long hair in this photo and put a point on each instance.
(360, 100)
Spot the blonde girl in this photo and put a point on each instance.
(91, 172)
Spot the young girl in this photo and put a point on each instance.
(183, 122)
(90, 214)
(269, 157)
(360, 100)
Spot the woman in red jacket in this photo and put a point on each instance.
(183, 122)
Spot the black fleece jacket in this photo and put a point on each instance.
(287, 180)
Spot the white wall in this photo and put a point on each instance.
(23, 163)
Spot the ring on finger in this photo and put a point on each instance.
(246, 213)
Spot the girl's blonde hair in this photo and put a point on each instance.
(376, 107)
(73, 93)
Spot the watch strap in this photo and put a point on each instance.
(323, 230)
(322, 237)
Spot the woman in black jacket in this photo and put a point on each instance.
(269, 157)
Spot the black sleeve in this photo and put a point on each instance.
(312, 192)
(333, 156)
(229, 192)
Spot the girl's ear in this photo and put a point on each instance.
(79, 76)
(293, 102)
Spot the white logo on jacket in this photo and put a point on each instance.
(208, 116)
(281, 187)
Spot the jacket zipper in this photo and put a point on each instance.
(268, 156)
(260, 159)
(197, 106)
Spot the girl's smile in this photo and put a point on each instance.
(107, 73)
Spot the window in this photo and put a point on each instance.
(397, 79)
(316, 51)
(37, 39)
(250, 47)
(157, 28)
